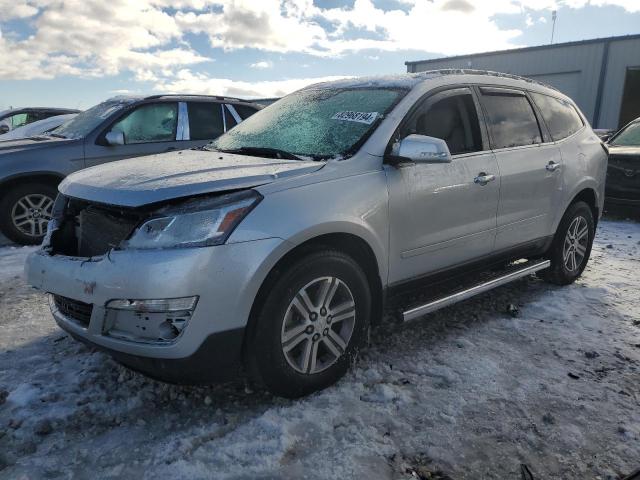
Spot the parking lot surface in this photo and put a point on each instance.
(468, 392)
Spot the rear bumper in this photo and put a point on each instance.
(225, 279)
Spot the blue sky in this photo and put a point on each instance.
(75, 53)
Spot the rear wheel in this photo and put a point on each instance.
(311, 324)
(571, 247)
(25, 211)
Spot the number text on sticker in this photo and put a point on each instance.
(360, 117)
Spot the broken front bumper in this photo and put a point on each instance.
(224, 279)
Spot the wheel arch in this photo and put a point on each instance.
(50, 178)
(589, 196)
(349, 243)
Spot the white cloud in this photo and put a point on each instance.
(263, 64)
(149, 38)
(12, 9)
(94, 38)
(186, 81)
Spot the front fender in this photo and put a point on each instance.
(356, 205)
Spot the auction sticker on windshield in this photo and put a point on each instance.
(360, 117)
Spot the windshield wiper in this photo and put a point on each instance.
(57, 135)
(263, 151)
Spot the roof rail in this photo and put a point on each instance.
(470, 71)
(217, 97)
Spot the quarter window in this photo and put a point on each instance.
(205, 120)
(155, 122)
(559, 115)
(511, 120)
(244, 111)
(453, 119)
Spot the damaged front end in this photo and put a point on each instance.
(85, 229)
(88, 236)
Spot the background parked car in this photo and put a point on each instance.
(604, 133)
(623, 172)
(119, 128)
(39, 127)
(17, 117)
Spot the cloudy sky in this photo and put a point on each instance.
(77, 52)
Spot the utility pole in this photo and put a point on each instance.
(554, 15)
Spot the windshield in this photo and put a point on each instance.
(629, 137)
(86, 121)
(318, 123)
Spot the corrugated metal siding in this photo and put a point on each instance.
(622, 54)
(573, 69)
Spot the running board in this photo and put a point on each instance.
(519, 272)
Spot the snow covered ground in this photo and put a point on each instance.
(470, 392)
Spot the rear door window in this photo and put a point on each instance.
(153, 122)
(19, 120)
(560, 116)
(205, 120)
(510, 118)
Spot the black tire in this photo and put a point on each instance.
(559, 273)
(10, 200)
(265, 347)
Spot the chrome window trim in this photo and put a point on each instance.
(182, 132)
(224, 117)
(234, 114)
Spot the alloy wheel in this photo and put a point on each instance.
(31, 214)
(318, 325)
(575, 244)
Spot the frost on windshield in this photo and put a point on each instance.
(314, 122)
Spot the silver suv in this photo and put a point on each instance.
(276, 247)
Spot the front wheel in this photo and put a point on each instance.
(25, 211)
(571, 247)
(311, 324)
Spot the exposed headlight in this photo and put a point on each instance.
(196, 223)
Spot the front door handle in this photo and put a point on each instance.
(483, 178)
(552, 166)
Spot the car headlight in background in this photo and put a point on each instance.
(195, 223)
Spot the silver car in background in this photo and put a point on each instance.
(37, 128)
(274, 248)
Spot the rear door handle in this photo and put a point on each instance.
(552, 166)
(483, 178)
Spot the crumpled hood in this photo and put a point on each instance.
(144, 180)
(28, 144)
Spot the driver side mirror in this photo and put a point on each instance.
(4, 128)
(419, 149)
(114, 138)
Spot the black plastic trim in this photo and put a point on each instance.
(218, 359)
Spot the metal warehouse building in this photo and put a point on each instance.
(601, 75)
